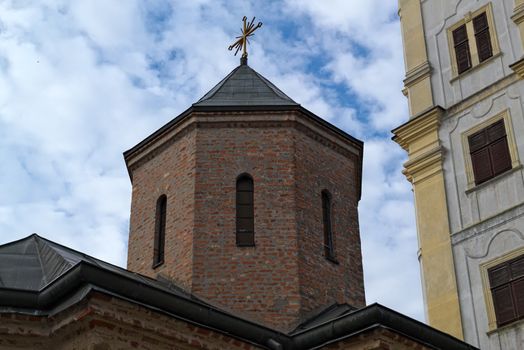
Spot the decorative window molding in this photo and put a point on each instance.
(245, 215)
(490, 288)
(472, 182)
(472, 41)
(160, 231)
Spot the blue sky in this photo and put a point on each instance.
(83, 81)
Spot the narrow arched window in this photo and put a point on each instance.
(160, 230)
(329, 250)
(245, 211)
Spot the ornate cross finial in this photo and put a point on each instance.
(247, 31)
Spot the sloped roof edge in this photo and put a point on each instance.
(244, 86)
(75, 284)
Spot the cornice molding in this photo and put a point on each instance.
(518, 67)
(203, 120)
(518, 14)
(424, 166)
(417, 73)
(419, 126)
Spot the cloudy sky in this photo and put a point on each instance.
(83, 81)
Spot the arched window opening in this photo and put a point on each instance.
(245, 216)
(160, 231)
(329, 250)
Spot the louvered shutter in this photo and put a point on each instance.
(517, 274)
(517, 268)
(160, 230)
(482, 37)
(496, 131)
(328, 230)
(507, 289)
(481, 162)
(503, 302)
(461, 44)
(500, 158)
(499, 151)
(489, 152)
(499, 275)
(518, 295)
(245, 226)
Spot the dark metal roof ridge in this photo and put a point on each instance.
(272, 86)
(61, 290)
(217, 87)
(121, 285)
(376, 315)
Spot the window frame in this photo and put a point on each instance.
(240, 242)
(159, 238)
(472, 40)
(512, 147)
(327, 226)
(488, 297)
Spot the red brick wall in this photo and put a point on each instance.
(285, 276)
(377, 339)
(105, 323)
(322, 282)
(171, 171)
(260, 282)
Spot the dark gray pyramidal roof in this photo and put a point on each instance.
(33, 263)
(245, 87)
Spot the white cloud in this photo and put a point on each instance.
(82, 81)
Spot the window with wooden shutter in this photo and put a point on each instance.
(489, 152)
(160, 231)
(329, 250)
(245, 215)
(507, 289)
(461, 45)
(472, 41)
(482, 37)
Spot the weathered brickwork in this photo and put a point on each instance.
(171, 171)
(318, 168)
(104, 323)
(377, 339)
(285, 276)
(260, 282)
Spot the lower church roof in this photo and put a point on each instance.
(42, 278)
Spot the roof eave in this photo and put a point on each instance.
(238, 108)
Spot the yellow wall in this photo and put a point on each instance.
(417, 82)
(518, 17)
(419, 137)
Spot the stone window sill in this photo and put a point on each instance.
(505, 327)
(475, 68)
(494, 179)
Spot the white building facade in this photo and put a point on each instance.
(471, 83)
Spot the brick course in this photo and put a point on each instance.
(285, 276)
(101, 323)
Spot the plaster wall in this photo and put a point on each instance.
(486, 221)
(473, 247)
(438, 17)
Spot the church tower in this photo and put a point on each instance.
(249, 202)
(464, 63)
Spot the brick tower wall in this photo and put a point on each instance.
(259, 282)
(322, 282)
(285, 276)
(169, 170)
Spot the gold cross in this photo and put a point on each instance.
(247, 31)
